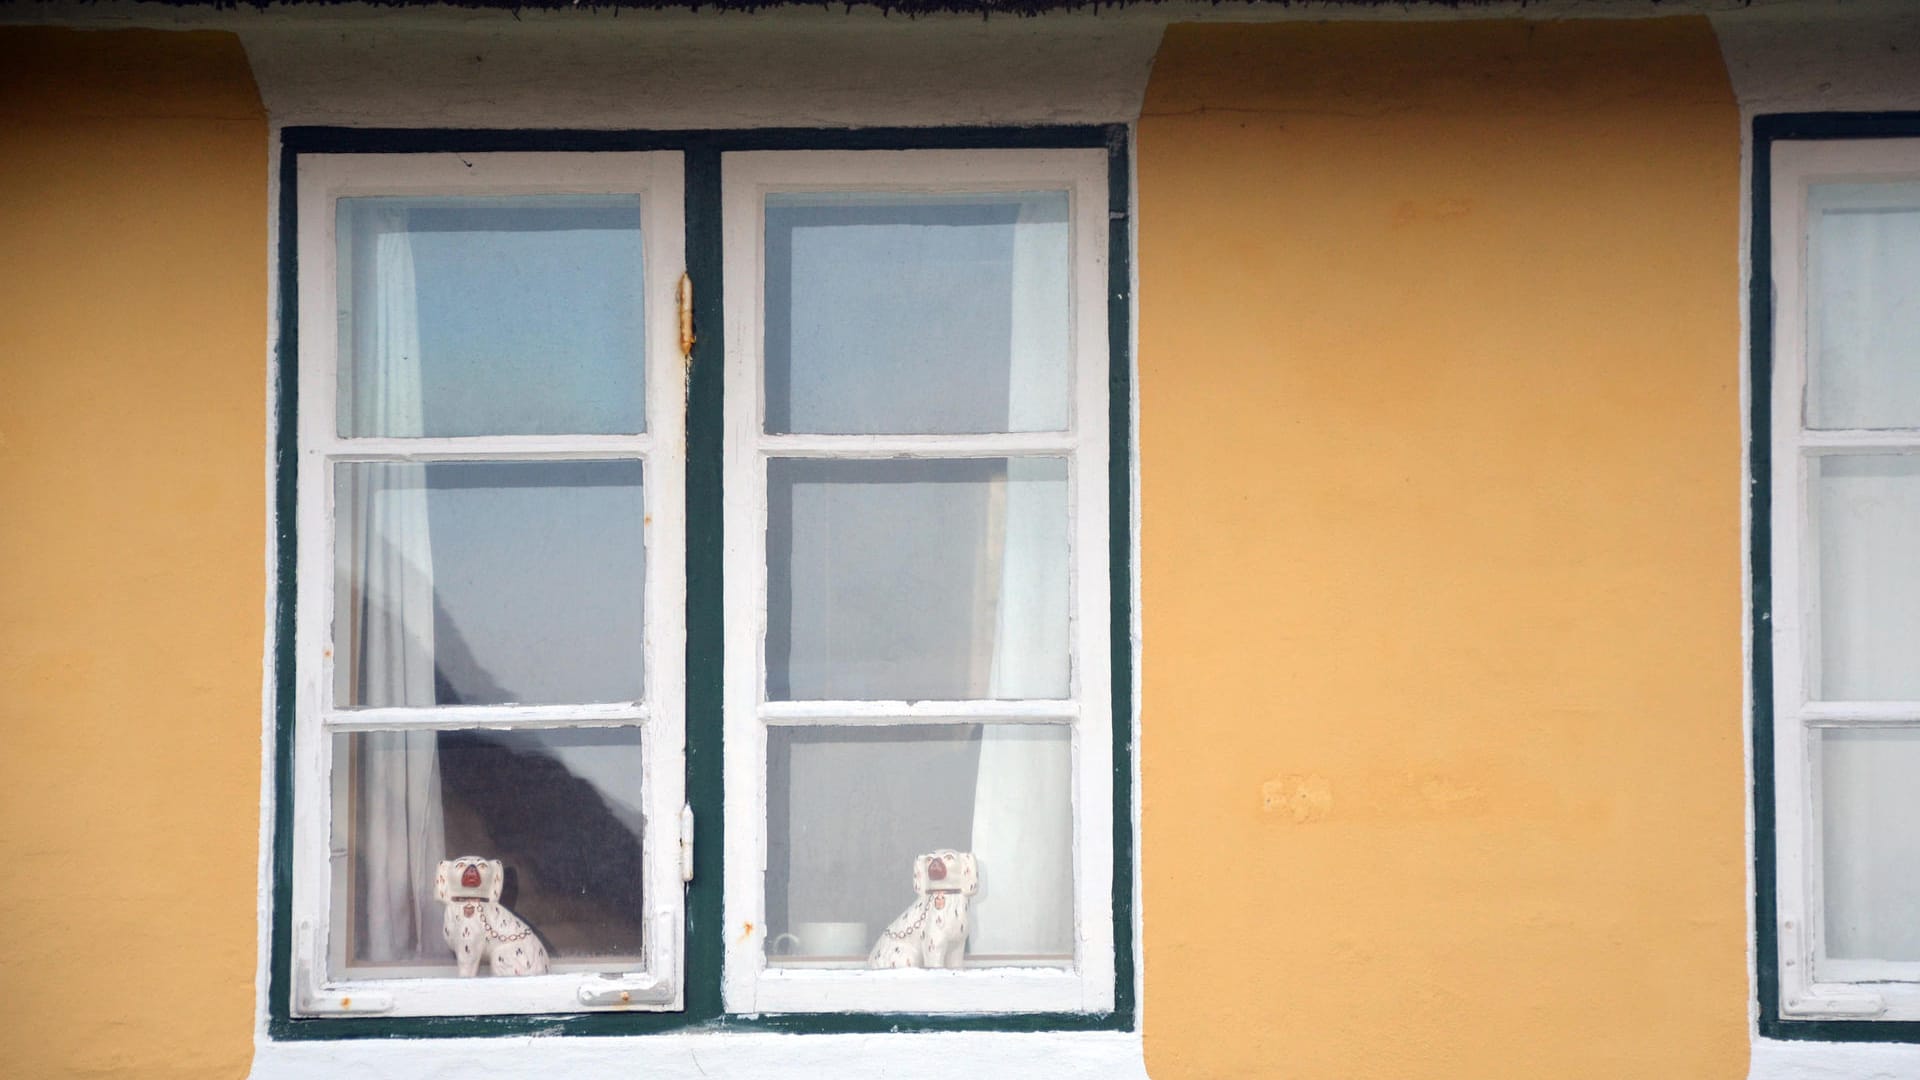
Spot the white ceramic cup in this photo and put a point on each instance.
(824, 939)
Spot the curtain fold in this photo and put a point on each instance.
(384, 545)
(1023, 816)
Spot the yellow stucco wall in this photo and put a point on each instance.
(133, 213)
(1440, 441)
(1440, 444)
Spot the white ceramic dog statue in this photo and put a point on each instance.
(933, 932)
(478, 927)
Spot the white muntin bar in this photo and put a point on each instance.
(493, 717)
(490, 448)
(918, 712)
(1020, 444)
(1860, 713)
(1860, 440)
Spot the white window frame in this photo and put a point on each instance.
(1812, 986)
(750, 985)
(657, 177)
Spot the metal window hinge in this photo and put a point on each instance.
(684, 296)
(686, 843)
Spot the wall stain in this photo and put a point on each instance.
(1412, 211)
(1406, 795)
(1445, 795)
(1299, 799)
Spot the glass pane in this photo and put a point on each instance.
(559, 811)
(913, 314)
(1863, 296)
(491, 316)
(1870, 834)
(917, 580)
(852, 810)
(488, 582)
(1866, 509)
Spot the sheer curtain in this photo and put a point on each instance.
(383, 548)
(1022, 817)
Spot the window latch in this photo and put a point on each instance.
(686, 843)
(618, 990)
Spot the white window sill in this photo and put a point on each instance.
(960, 1055)
(1791, 1059)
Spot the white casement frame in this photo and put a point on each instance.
(657, 178)
(750, 985)
(1813, 986)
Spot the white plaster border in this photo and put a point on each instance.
(263, 884)
(965, 1055)
(1784, 1059)
(1783, 60)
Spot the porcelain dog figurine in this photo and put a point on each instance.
(933, 932)
(478, 927)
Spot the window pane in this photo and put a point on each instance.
(487, 583)
(1864, 305)
(915, 580)
(1867, 513)
(491, 316)
(917, 313)
(851, 809)
(1870, 831)
(560, 811)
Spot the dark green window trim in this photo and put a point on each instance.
(1760, 306)
(703, 946)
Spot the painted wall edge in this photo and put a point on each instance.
(963, 1055)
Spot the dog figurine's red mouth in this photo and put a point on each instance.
(470, 877)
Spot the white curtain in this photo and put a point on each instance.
(383, 546)
(1022, 816)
